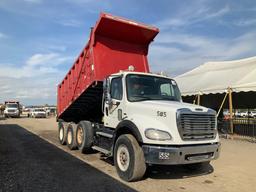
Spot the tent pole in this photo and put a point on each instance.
(222, 104)
(230, 110)
(194, 101)
(198, 99)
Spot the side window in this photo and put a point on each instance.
(116, 89)
(165, 89)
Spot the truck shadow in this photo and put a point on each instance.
(170, 171)
(176, 171)
(29, 163)
(2, 117)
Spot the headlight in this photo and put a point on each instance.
(156, 134)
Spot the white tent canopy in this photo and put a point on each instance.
(217, 77)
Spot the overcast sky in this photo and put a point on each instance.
(40, 39)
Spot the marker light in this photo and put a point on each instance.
(131, 68)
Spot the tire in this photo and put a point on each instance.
(127, 147)
(62, 132)
(84, 136)
(71, 136)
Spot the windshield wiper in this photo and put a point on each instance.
(144, 98)
(168, 99)
(141, 98)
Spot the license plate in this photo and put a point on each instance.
(164, 155)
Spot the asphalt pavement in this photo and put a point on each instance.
(29, 163)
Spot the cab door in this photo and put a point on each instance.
(114, 107)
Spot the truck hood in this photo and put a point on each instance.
(39, 112)
(162, 115)
(171, 105)
(11, 108)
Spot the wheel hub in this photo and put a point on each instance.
(123, 157)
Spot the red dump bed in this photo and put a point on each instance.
(115, 44)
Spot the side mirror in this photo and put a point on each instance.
(114, 102)
(108, 98)
(106, 89)
(106, 85)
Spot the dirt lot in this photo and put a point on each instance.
(235, 170)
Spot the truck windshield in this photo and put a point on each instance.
(145, 87)
(12, 105)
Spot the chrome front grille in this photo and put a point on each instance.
(196, 126)
(11, 110)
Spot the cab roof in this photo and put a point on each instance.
(140, 73)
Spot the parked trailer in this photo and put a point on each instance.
(111, 103)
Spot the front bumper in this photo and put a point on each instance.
(180, 154)
(40, 115)
(10, 114)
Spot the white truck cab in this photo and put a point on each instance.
(169, 131)
(12, 109)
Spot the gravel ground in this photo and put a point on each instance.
(29, 163)
(31, 159)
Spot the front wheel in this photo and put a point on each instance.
(129, 158)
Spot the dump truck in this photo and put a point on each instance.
(110, 102)
(12, 109)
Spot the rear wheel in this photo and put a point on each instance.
(71, 140)
(62, 134)
(129, 158)
(84, 136)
